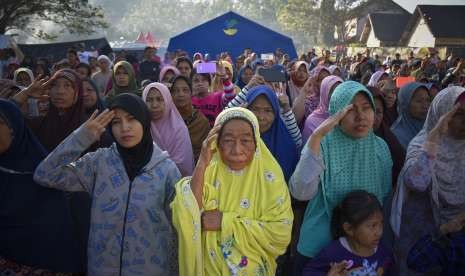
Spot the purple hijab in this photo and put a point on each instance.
(321, 112)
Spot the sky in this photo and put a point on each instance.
(411, 4)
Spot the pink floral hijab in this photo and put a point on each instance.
(321, 112)
(170, 132)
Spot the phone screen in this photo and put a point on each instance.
(272, 74)
(206, 67)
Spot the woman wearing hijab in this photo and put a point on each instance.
(335, 70)
(196, 122)
(66, 111)
(167, 73)
(321, 113)
(102, 77)
(131, 184)
(263, 102)
(168, 129)
(36, 231)
(299, 76)
(342, 154)
(247, 217)
(91, 97)
(124, 80)
(431, 189)
(244, 76)
(414, 101)
(389, 91)
(382, 130)
(23, 77)
(377, 77)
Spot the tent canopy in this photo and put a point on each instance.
(233, 33)
(57, 51)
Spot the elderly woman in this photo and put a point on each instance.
(431, 187)
(233, 217)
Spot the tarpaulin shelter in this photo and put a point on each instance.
(231, 32)
(57, 51)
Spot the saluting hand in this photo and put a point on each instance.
(331, 122)
(207, 152)
(442, 127)
(96, 124)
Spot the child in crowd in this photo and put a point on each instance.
(357, 228)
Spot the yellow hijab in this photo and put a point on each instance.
(257, 214)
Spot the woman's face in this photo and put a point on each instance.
(23, 79)
(62, 94)
(420, 103)
(181, 94)
(379, 114)
(200, 85)
(39, 71)
(262, 108)
(122, 77)
(457, 124)
(103, 64)
(228, 73)
(168, 76)
(247, 75)
(323, 74)
(156, 104)
(337, 72)
(83, 72)
(302, 73)
(236, 144)
(6, 136)
(128, 131)
(358, 121)
(390, 96)
(89, 95)
(184, 69)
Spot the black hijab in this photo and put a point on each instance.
(137, 157)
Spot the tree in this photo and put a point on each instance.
(75, 16)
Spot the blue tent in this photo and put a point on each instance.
(231, 32)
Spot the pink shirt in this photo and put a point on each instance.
(212, 104)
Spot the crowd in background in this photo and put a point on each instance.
(353, 165)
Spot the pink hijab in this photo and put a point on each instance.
(321, 112)
(313, 100)
(167, 68)
(170, 132)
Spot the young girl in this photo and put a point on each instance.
(357, 227)
(130, 183)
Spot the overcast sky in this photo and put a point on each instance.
(411, 4)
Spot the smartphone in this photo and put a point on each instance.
(272, 74)
(267, 57)
(206, 67)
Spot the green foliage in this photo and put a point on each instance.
(75, 16)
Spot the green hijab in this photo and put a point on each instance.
(132, 87)
(353, 164)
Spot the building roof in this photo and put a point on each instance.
(443, 21)
(388, 26)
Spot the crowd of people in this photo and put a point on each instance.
(110, 166)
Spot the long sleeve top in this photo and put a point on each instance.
(130, 231)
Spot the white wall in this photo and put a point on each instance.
(372, 40)
(422, 36)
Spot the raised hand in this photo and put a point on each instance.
(96, 124)
(256, 80)
(331, 122)
(442, 127)
(207, 152)
(38, 88)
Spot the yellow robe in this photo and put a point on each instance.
(257, 215)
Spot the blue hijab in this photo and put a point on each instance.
(406, 127)
(239, 81)
(277, 138)
(35, 222)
